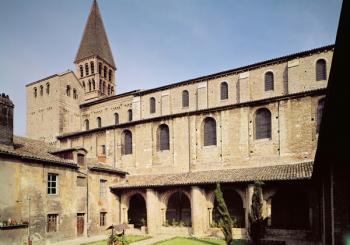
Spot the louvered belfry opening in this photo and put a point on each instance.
(152, 105)
(163, 137)
(185, 98)
(321, 71)
(319, 112)
(127, 144)
(224, 91)
(209, 131)
(269, 80)
(263, 124)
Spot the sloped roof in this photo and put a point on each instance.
(99, 167)
(295, 171)
(34, 150)
(94, 41)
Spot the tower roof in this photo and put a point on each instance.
(94, 41)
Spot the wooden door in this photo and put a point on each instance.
(80, 224)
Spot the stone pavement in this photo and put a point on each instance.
(78, 241)
(154, 239)
(81, 240)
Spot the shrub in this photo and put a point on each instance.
(257, 227)
(225, 222)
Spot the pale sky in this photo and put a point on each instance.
(156, 42)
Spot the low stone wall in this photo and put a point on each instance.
(176, 231)
(134, 231)
(291, 237)
(238, 233)
(13, 236)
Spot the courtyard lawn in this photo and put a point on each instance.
(191, 241)
(131, 239)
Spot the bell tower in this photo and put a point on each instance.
(94, 61)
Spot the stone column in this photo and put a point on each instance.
(248, 203)
(153, 211)
(198, 211)
(268, 211)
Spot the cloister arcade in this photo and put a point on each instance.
(286, 207)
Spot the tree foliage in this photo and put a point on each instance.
(256, 221)
(225, 220)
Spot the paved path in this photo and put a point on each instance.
(81, 240)
(78, 241)
(154, 239)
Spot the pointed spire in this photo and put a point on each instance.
(95, 41)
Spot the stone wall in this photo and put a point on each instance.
(290, 77)
(294, 119)
(22, 180)
(293, 139)
(51, 114)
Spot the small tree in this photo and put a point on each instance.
(256, 221)
(225, 222)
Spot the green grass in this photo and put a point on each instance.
(131, 239)
(192, 241)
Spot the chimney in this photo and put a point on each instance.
(6, 120)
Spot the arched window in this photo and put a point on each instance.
(163, 138)
(89, 85)
(41, 90)
(112, 90)
(269, 81)
(86, 122)
(209, 131)
(127, 144)
(263, 124)
(110, 75)
(105, 71)
(84, 85)
(321, 71)
(75, 95)
(185, 98)
(81, 71)
(103, 87)
(35, 92)
(92, 66)
(320, 107)
(93, 84)
(86, 69)
(68, 90)
(99, 122)
(100, 68)
(224, 91)
(152, 105)
(48, 88)
(116, 118)
(108, 89)
(130, 115)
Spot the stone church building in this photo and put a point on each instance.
(151, 158)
